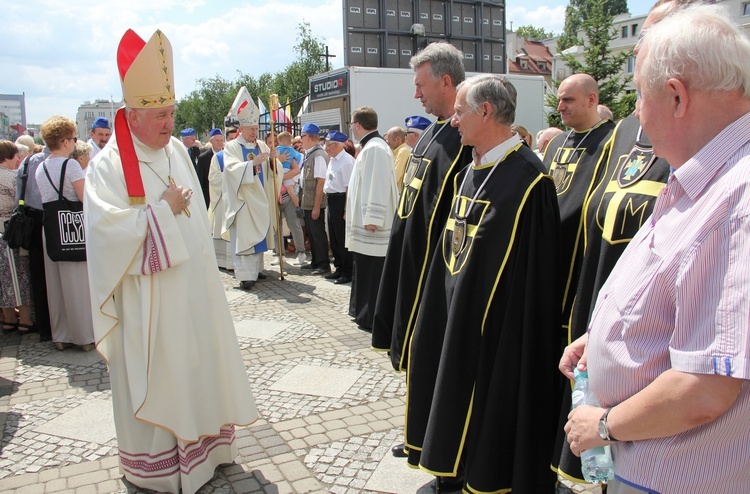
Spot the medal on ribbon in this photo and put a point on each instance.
(459, 236)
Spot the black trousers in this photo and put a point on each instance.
(316, 232)
(367, 272)
(342, 258)
(38, 278)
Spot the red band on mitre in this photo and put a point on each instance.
(130, 166)
(127, 51)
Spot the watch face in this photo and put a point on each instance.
(603, 431)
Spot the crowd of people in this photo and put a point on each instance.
(486, 268)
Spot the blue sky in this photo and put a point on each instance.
(62, 53)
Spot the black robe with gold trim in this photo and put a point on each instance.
(422, 211)
(483, 387)
(575, 173)
(615, 211)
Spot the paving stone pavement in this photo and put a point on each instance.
(331, 408)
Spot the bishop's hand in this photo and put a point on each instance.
(178, 198)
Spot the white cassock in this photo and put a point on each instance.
(372, 199)
(162, 322)
(217, 213)
(250, 206)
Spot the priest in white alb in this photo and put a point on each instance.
(249, 193)
(217, 209)
(161, 318)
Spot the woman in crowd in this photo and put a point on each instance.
(67, 282)
(524, 134)
(28, 141)
(15, 291)
(82, 154)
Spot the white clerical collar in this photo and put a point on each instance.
(244, 142)
(150, 155)
(498, 152)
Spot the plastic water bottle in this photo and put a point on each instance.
(596, 463)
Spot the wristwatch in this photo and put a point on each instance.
(604, 428)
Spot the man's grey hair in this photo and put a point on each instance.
(444, 59)
(495, 90)
(699, 46)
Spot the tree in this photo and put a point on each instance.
(531, 32)
(599, 62)
(206, 106)
(577, 12)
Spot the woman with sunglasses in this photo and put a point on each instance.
(67, 282)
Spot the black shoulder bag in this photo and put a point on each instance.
(18, 228)
(63, 225)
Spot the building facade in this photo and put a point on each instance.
(14, 108)
(528, 57)
(626, 30)
(88, 112)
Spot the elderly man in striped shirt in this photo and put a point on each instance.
(668, 347)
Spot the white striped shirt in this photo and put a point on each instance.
(679, 298)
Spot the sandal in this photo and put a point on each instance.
(26, 328)
(9, 327)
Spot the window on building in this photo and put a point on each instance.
(89, 114)
(746, 8)
(624, 31)
(634, 30)
(561, 74)
(542, 65)
(631, 64)
(101, 113)
(524, 63)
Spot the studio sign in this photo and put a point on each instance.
(330, 86)
(71, 228)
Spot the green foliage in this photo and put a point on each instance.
(206, 106)
(625, 106)
(531, 32)
(599, 62)
(578, 11)
(553, 117)
(569, 36)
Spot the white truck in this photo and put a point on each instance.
(334, 94)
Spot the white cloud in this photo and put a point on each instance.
(549, 18)
(61, 54)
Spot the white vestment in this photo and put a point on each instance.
(250, 205)
(217, 213)
(372, 199)
(162, 322)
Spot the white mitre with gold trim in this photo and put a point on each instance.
(146, 70)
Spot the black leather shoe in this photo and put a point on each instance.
(398, 451)
(321, 271)
(262, 276)
(246, 285)
(447, 484)
(342, 280)
(333, 276)
(307, 266)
